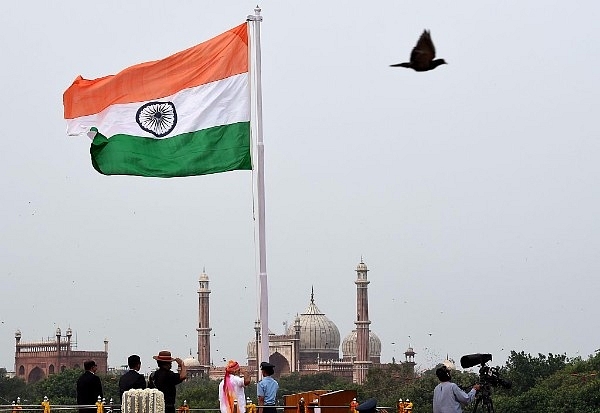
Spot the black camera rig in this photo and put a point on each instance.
(489, 377)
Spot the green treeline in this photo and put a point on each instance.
(540, 384)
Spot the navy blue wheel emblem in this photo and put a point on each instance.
(157, 118)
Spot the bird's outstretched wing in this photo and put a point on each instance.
(424, 52)
(422, 55)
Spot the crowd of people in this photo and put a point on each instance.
(232, 398)
(448, 397)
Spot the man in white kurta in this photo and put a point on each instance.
(231, 388)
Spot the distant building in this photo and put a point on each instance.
(310, 345)
(36, 360)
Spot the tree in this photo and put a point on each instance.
(10, 388)
(199, 392)
(296, 383)
(524, 371)
(59, 388)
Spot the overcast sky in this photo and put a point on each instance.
(470, 191)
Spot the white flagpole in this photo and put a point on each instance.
(257, 131)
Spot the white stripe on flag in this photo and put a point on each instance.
(217, 103)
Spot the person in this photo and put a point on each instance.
(231, 388)
(353, 405)
(408, 406)
(132, 379)
(89, 387)
(447, 396)
(301, 405)
(250, 407)
(400, 405)
(368, 406)
(165, 380)
(266, 389)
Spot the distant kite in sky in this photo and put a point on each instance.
(422, 57)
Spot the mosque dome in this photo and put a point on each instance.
(191, 362)
(449, 363)
(319, 336)
(349, 346)
(251, 347)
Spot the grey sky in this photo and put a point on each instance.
(470, 191)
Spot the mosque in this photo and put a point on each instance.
(310, 345)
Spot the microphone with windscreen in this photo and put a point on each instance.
(471, 360)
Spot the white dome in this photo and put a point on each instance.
(191, 362)
(349, 345)
(449, 364)
(319, 336)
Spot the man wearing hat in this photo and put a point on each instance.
(368, 406)
(231, 388)
(165, 380)
(266, 389)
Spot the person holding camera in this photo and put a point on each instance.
(447, 396)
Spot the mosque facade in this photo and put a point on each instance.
(36, 360)
(310, 345)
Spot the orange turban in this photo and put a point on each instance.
(232, 366)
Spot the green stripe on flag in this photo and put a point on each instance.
(208, 151)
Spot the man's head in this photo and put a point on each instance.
(232, 367)
(164, 359)
(134, 362)
(90, 365)
(443, 373)
(267, 369)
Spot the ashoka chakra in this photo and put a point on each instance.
(157, 118)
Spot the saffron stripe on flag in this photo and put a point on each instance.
(218, 58)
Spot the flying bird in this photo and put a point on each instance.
(422, 57)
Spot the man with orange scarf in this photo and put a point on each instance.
(232, 388)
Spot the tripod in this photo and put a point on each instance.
(485, 398)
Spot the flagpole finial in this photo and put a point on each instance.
(256, 16)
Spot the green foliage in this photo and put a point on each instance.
(110, 387)
(525, 371)
(296, 383)
(10, 388)
(59, 388)
(200, 392)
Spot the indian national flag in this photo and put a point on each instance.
(188, 114)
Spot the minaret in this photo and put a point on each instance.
(203, 322)
(296, 357)
(17, 349)
(362, 363)
(410, 360)
(58, 358)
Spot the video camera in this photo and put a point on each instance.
(487, 375)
